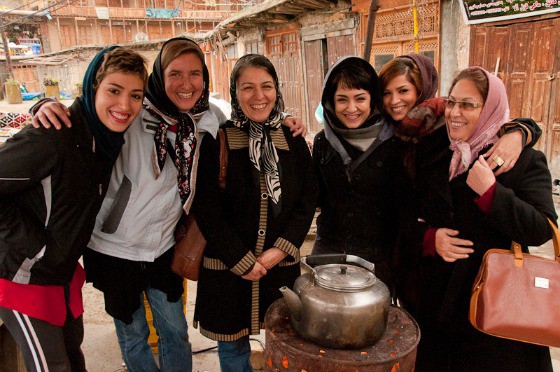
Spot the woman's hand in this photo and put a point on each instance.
(257, 272)
(508, 148)
(480, 177)
(53, 113)
(271, 257)
(296, 126)
(451, 248)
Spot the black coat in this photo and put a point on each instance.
(522, 201)
(51, 188)
(239, 224)
(360, 206)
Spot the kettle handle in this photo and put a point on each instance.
(324, 259)
(361, 262)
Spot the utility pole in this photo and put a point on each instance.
(373, 7)
(6, 52)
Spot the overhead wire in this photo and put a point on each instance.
(50, 7)
(21, 7)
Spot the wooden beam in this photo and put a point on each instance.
(315, 4)
(269, 17)
(289, 9)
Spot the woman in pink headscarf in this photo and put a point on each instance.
(409, 85)
(465, 209)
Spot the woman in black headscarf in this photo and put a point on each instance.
(255, 227)
(358, 160)
(52, 184)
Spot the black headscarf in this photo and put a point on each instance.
(156, 86)
(107, 143)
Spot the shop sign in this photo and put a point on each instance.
(480, 11)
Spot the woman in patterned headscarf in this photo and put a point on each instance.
(255, 227)
(464, 209)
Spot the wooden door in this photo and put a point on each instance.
(67, 36)
(119, 35)
(553, 135)
(340, 46)
(154, 31)
(283, 52)
(85, 34)
(107, 38)
(518, 63)
(315, 74)
(539, 90)
(528, 63)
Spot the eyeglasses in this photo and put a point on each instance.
(463, 105)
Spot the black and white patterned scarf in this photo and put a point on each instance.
(262, 152)
(182, 151)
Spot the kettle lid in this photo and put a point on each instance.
(344, 277)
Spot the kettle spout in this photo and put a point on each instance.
(293, 301)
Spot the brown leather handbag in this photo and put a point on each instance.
(517, 295)
(189, 241)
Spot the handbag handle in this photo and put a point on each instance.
(518, 253)
(555, 240)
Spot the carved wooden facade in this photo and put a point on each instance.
(394, 30)
(104, 22)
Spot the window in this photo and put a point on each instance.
(283, 43)
(430, 54)
(252, 47)
(381, 59)
(232, 51)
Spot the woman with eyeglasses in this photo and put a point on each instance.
(409, 84)
(465, 209)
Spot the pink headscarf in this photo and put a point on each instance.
(494, 113)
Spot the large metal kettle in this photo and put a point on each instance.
(337, 304)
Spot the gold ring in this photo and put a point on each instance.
(499, 161)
